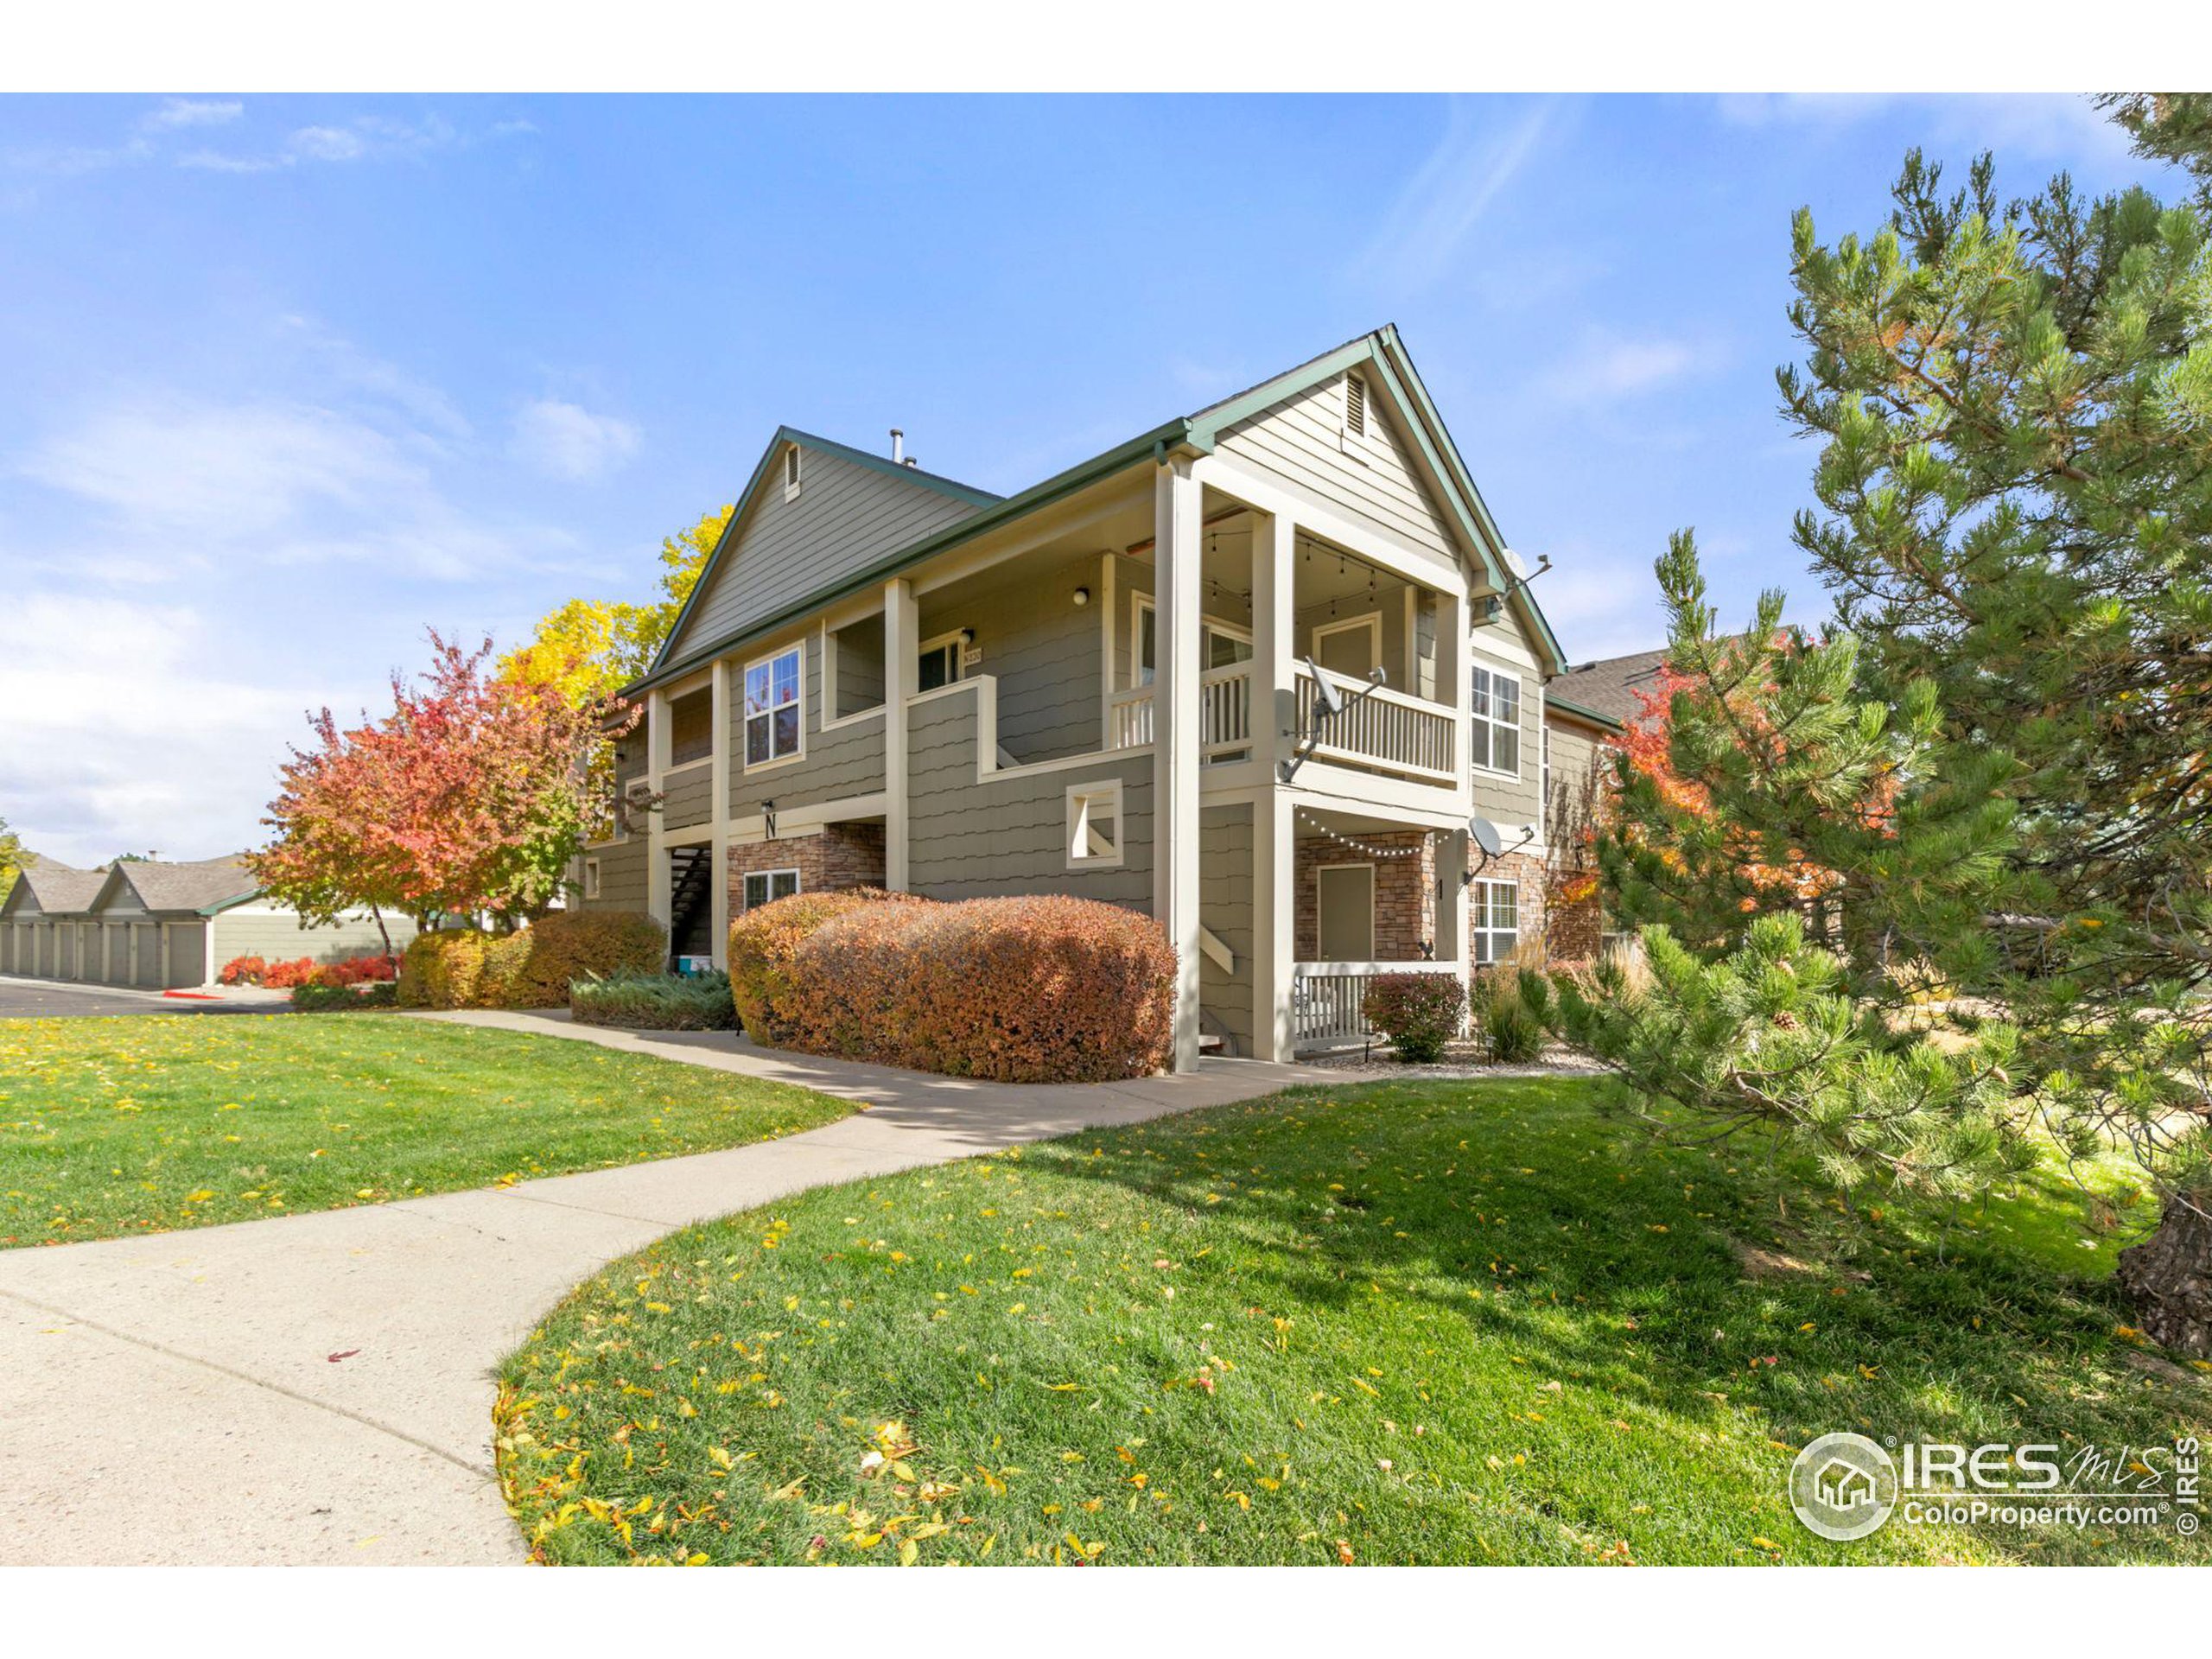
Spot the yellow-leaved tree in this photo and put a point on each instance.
(589, 649)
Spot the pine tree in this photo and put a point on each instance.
(2015, 524)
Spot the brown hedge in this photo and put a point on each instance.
(530, 967)
(762, 944)
(1044, 989)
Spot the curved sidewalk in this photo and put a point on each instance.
(316, 1389)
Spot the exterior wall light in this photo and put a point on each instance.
(1082, 597)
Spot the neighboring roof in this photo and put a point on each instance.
(1382, 349)
(210, 885)
(58, 889)
(1607, 689)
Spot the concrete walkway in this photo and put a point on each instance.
(316, 1389)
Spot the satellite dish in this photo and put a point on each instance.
(1486, 835)
(1328, 702)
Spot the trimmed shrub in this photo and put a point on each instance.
(1513, 1009)
(242, 970)
(316, 997)
(356, 970)
(530, 967)
(764, 942)
(442, 969)
(1417, 1013)
(1046, 989)
(655, 1001)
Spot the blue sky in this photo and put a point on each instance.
(284, 380)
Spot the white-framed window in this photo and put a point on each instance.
(766, 887)
(1493, 920)
(1496, 743)
(940, 662)
(791, 468)
(771, 706)
(1144, 639)
(1352, 647)
(1094, 825)
(591, 878)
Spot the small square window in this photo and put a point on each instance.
(1094, 826)
(591, 878)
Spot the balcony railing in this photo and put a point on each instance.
(1224, 713)
(1384, 730)
(1325, 1002)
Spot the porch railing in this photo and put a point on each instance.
(1325, 998)
(1224, 712)
(1386, 730)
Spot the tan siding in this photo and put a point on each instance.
(969, 840)
(688, 796)
(846, 518)
(1043, 650)
(1299, 441)
(837, 765)
(622, 871)
(1225, 907)
(280, 938)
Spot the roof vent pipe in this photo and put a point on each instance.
(898, 447)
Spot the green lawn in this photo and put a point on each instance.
(110, 1126)
(1417, 1322)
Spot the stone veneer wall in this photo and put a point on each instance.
(841, 857)
(1405, 892)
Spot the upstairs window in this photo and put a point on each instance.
(939, 664)
(790, 472)
(691, 728)
(1497, 742)
(772, 707)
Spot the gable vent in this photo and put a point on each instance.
(1355, 405)
(790, 472)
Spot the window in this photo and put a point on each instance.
(1497, 721)
(790, 472)
(1355, 406)
(691, 728)
(1494, 920)
(940, 663)
(1144, 638)
(1352, 648)
(766, 887)
(771, 707)
(1094, 825)
(1221, 645)
(591, 878)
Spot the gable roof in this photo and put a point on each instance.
(203, 887)
(1392, 367)
(57, 889)
(1607, 687)
(953, 500)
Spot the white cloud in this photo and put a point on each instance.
(2045, 128)
(194, 112)
(328, 144)
(1447, 196)
(1607, 367)
(144, 738)
(567, 440)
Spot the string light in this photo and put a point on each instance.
(1359, 845)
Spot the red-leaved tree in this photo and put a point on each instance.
(472, 796)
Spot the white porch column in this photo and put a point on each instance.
(901, 679)
(657, 897)
(1274, 713)
(1179, 549)
(719, 884)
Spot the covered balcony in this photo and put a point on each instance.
(1350, 619)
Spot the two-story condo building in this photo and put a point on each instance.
(1258, 671)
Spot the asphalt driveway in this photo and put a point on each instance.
(43, 999)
